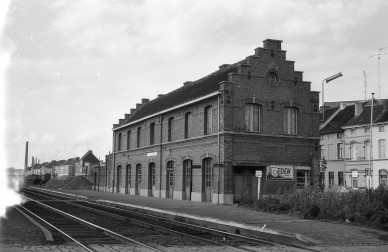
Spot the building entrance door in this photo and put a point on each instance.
(187, 179)
(244, 183)
(118, 178)
(138, 179)
(207, 173)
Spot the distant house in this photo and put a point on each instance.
(68, 168)
(87, 162)
(346, 143)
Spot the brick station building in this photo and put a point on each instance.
(206, 140)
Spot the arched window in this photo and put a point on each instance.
(187, 124)
(290, 121)
(170, 129)
(152, 173)
(128, 139)
(152, 133)
(252, 117)
(138, 137)
(208, 170)
(119, 142)
(208, 120)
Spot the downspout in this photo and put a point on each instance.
(114, 161)
(219, 147)
(161, 159)
(106, 173)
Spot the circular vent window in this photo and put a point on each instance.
(272, 79)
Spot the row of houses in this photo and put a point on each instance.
(353, 144)
(71, 167)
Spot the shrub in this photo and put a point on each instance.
(366, 207)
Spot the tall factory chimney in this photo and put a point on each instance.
(26, 158)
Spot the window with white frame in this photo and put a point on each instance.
(252, 117)
(331, 179)
(290, 121)
(383, 180)
(382, 153)
(340, 151)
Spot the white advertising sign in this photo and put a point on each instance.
(280, 172)
(259, 174)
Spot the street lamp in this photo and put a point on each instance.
(328, 79)
(371, 142)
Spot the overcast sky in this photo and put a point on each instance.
(77, 66)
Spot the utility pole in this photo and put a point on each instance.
(365, 85)
(378, 65)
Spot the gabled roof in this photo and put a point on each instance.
(339, 120)
(365, 116)
(89, 157)
(383, 117)
(329, 111)
(186, 93)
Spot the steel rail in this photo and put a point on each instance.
(57, 229)
(225, 233)
(106, 231)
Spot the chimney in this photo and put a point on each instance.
(33, 161)
(144, 100)
(138, 105)
(358, 108)
(132, 111)
(342, 106)
(115, 125)
(126, 116)
(121, 121)
(187, 83)
(223, 66)
(26, 158)
(160, 95)
(272, 44)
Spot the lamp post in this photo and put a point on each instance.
(370, 147)
(327, 80)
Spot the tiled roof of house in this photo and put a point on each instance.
(339, 120)
(71, 161)
(365, 116)
(329, 111)
(89, 157)
(383, 117)
(186, 93)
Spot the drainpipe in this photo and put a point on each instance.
(219, 146)
(161, 159)
(114, 161)
(106, 173)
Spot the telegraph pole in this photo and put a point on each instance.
(365, 85)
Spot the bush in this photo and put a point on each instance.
(366, 207)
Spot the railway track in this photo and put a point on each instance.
(164, 233)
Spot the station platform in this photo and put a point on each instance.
(319, 235)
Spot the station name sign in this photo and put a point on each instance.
(280, 172)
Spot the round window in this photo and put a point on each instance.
(272, 79)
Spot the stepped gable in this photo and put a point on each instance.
(184, 94)
(339, 120)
